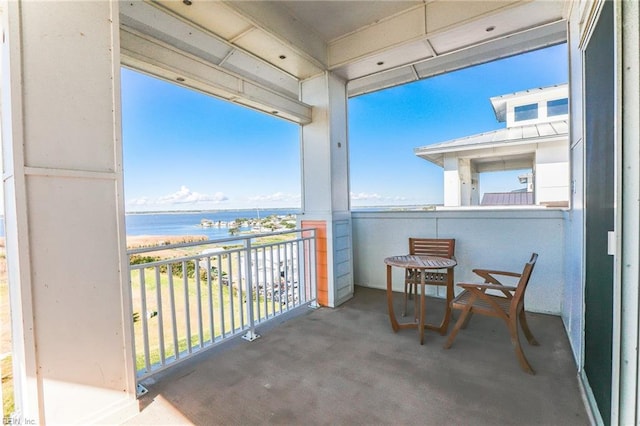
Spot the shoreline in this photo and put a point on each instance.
(293, 210)
(142, 241)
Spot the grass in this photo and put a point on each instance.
(7, 385)
(226, 304)
(6, 366)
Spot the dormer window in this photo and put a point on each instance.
(557, 107)
(526, 112)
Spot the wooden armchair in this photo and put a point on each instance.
(509, 307)
(431, 247)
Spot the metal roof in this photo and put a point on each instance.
(518, 198)
(529, 134)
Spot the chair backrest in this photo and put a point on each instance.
(518, 296)
(441, 247)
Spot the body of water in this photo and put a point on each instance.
(188, 223)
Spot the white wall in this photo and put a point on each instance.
(552, 172)
(497, 239)
(64, 213)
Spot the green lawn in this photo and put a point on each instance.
(229, 312)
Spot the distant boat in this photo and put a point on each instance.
(206, 223)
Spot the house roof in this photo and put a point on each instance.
(507, 198)
(499, 103)
(522, 136)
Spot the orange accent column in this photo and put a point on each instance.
(321, 258)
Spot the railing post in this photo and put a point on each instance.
(313, 277)
(251, 334)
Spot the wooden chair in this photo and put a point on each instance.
(440, 247)
(509, 307)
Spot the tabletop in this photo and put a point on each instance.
(420, 262)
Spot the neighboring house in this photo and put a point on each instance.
(535, 138)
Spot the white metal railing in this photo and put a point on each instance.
(198, 297)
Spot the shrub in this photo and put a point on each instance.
(137, 259)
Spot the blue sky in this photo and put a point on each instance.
(184, 150)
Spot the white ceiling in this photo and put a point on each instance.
(333, 19)
(273, 45)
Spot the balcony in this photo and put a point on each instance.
(346, 366)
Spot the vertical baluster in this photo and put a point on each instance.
(298, 271)
(231, 298)
(221, 307)
(287, 274)
(244, 276)
(268, 284)
(199, 301)
(187, 312)
(143, 318)
(261, 256)
(172, 302)
(276, 281)
(210, 297)
(281, 277)
(160, 315)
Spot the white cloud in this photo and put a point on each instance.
(183, 196)
(365, 196)
(186, 196)
(142, 201)
(275, 197)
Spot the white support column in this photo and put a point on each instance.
(475, 186)
(552, 173)
(452, 179)
(627, 410)
(466, 187)
(64, 214)
(325, 175)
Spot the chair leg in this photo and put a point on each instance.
(466, 321)
(462, 320)
(525, 328)
(515, 341)
(406, 295)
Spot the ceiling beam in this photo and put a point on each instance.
(154, 57)
(512, 44)
(279, 23)
(162, 24)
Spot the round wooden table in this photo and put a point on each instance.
(420, 263)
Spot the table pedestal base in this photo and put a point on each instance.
(420, 324)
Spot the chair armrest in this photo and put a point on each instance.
(488, 275)
(483, 272)
(481, 289)
(487, 286)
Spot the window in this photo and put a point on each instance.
(526, 112)
(557, 107)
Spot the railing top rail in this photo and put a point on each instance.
(218, 240)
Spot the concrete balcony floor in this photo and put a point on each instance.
(347, 366)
